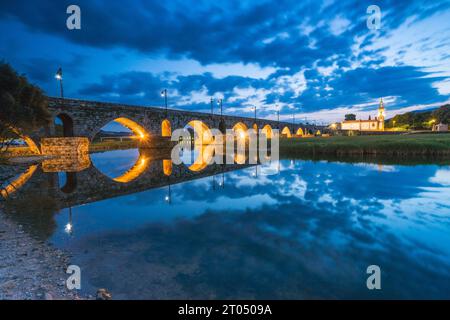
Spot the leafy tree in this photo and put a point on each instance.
(442, 114)
(23, 106)
(420, 120)
(350, 116)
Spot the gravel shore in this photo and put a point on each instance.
(30, 269)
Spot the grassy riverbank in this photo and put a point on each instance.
(389, 145)
(112, 145)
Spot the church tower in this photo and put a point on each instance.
(381, 115)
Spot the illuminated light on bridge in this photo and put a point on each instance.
(167, 167)
(75, 163)
(137, 129)
(267, 130)
(139, 167)
(205, 156)
(202, 133)
(287, 132)
(19, 182)
(166, 129)
(240, 158)
(299, 132)
(240, 130)
(30, 143)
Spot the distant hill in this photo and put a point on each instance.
(425, 110)
(420, 119)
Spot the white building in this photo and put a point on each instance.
(440, 127)
(376, 124)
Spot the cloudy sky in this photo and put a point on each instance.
(309, 58)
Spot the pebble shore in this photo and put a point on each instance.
(30, 269)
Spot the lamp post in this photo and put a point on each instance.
(164, 95)
(219, 102)
(212, 108)
(254, 107)
(59, 76)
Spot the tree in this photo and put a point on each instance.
(442, 114)
(23, 106)
(350, 116)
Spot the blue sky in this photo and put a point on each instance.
(309, 58)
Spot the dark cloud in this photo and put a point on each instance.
(266, 33)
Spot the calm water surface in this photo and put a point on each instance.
(284, 230)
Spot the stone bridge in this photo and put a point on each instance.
(86, 118)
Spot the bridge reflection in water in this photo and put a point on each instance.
(85, 183)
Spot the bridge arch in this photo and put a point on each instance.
(299, 132)
(70, 182)
(63, 125)
(135, 171)
(29, 142)
(202, 133)
(166, 129)
(240, 130)
(287, 132)
(139, 131)
(204, 157)
(267, 130)
(7, 190)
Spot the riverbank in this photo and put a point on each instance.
(112, 145)
(395, 145)
(29, 268)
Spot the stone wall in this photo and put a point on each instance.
(68, 147)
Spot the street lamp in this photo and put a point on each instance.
(254, 107)
(219, 102)
(212, 108)
(59, 76)
(164, 95)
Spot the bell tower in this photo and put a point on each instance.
(381, 115)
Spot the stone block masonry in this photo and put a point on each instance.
(70, 147)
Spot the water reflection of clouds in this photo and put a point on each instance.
(441, 177)
(308, 231)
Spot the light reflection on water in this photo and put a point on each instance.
(289, 229)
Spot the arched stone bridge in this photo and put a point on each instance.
(86, 118)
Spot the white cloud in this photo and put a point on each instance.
(339, 25)
(295, 83)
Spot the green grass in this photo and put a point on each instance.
(387, 145)
(112, 145)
